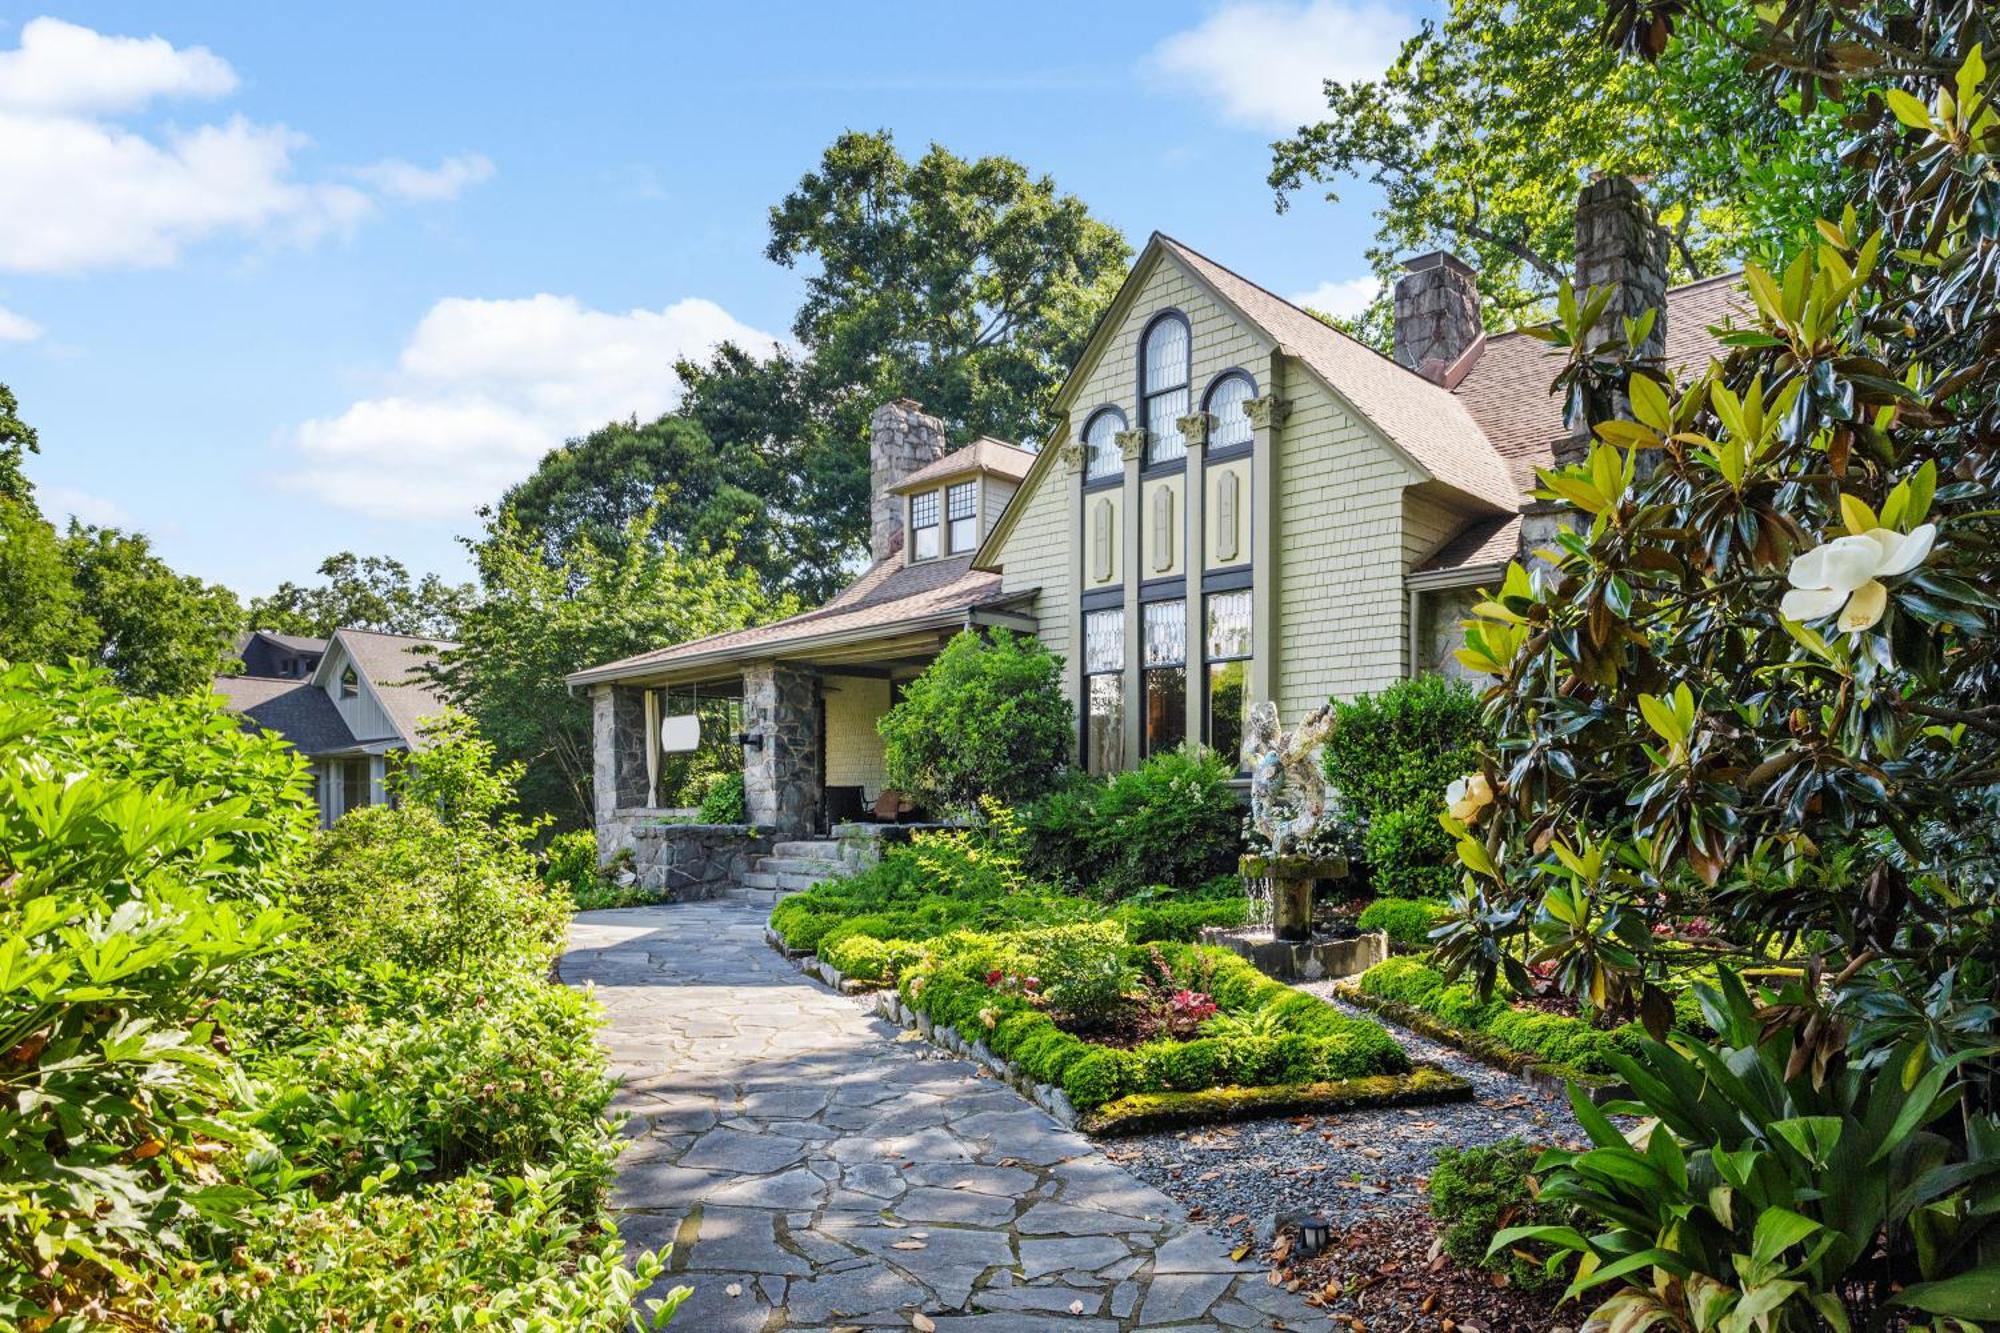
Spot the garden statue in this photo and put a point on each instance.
(1288, 801)
(1287, 782)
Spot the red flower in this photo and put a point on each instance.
(993, 977)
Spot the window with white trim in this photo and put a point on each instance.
(961, 513)
(924, 526)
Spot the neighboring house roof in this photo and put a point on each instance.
(1426, 422)
(1507, 388)
(298, 643)
(984, 454)
(298, 710)
(394, 666)
(890, 596)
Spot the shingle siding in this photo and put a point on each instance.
(853, 747)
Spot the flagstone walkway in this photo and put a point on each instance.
(815, 1171)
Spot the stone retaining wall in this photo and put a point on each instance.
(682, 862)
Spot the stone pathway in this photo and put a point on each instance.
(829, 1172)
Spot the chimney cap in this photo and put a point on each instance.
(1438, 259)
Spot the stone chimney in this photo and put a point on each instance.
(1437, 314)
(1619, 245)
(902, 439)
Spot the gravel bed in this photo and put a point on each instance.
(1348, 1167)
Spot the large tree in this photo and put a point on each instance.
(539, 621)
(17, 438)
(364, 592)
(1481, 132)
(967, 285)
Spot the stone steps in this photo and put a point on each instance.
(799, 865)
(814, 849)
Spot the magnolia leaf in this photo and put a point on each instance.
(1908, 109)
(1650, 405)
(1854, 512)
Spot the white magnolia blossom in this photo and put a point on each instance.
(1468, 796)
(1846, 574)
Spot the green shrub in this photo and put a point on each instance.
(1549, 1038)
(1176, 819)
(1390, 758)
(1082, 970)
(1409, 922)
(1180, 922)
(986, 718)
(1095, 1079)
(569, 865)
(461, 1254)
(1478, 1192)
(724, 801)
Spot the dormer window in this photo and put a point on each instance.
(350, 683)
(961, 512)
(924, 526)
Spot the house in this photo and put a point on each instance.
(1241, 504)
(344, 703)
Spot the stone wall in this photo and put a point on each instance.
(681, 862)
(781, 784)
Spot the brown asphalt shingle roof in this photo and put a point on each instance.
(984, 454)
(889, 594)
(1507, 389)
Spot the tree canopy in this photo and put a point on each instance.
(1487, 124)
(364, 592)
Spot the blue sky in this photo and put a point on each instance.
(278, 281)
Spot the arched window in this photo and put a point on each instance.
(1100, 444)
(1163, 386)
(1229, 422)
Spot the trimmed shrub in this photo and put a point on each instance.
(986, 718)
(1176, 820)
(1408, 921)
(1548, 1038)
(1390, 757)
(1478, 1192)
(1082, 970)
(724, 802)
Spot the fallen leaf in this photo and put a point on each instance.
(1235, 1219)
(1239, 1252)
(733, 1289)
(922, 1323)
(909, 1245)
(1076, 1307)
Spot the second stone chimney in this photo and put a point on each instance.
(1619, 245)
(902, 438)
(1437, 314)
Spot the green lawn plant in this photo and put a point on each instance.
(987, 718)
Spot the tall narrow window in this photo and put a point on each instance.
(924, 526)
(353, 784)
(1100, 444)
(1163, 376)
(961, 512)
(1166, 675)
(350, 684)
(1104, 690)
(1229, 420)
(1227, 649)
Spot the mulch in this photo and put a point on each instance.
(1389, 1274)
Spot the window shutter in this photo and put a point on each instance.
(1163, 529)
(1225, 517)
(1100, 542)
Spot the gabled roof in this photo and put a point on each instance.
(298, 710)
(890, 597)
(984, 454)
(394, 666)
(297, 643)
(1426, 422)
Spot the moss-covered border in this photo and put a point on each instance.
(1153, 1112)
(1600, 1087)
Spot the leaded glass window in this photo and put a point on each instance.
(961, 511)
(1164, 379)
(1227, 648)
(1166, 633)
(1165, 638)
(1104, 640)
(924, 525)
(1100, 442)
(1229, 425)
(1104, 690)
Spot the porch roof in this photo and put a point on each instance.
(888, 604)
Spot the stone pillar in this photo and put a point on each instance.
(1437, 313)
(628, 746)
(781, 775)
(902, 439)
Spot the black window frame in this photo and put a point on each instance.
(1227, 451)
(1116, 476)
(1148, 669)
(1148, 465)
(1209, 661)
(1114, 674)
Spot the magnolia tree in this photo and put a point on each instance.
(1750, 715)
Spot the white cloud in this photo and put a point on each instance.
(62, 67)
(484, 388)
(1265, 61)
(16, 328)
(406, 180)
(82, 506)
(1342, 299)
(84, 191)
